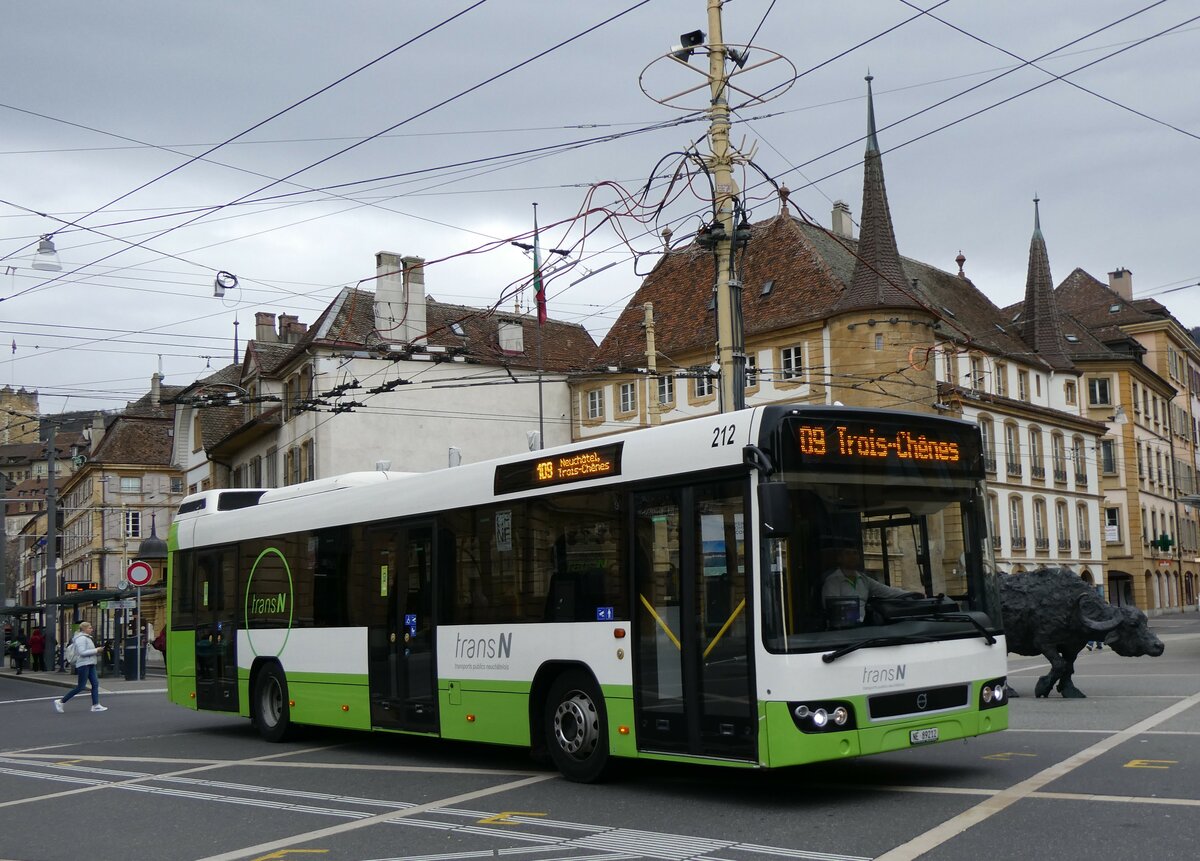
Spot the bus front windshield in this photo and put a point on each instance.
(866, 559)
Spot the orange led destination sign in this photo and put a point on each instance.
(842, 442)
(599, 461)
(884, 445)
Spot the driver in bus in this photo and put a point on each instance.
(848, 581)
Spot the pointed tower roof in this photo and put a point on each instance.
(878, 280)
(1040, 324)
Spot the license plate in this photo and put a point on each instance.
(923, 736)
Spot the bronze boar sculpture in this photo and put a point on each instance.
(1052, 612)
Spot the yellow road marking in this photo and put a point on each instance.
(503, 817)
(1151, 763)
(1006, 756)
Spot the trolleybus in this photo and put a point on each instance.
(658, 594)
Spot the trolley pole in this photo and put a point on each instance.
(731, 350)
(51, 591)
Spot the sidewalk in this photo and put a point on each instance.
(155, 680)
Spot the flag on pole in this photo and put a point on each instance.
(538, 286)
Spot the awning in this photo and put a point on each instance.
(20, 610)
(95, 596)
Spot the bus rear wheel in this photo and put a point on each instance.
(269, 708)
(577, 728)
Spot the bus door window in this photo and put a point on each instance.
(659, 628)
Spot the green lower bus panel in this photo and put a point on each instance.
(496, 717)
(787, 745)
(181, 690)
(343, 706)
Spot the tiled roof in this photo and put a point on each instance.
(808, 268)
(1096, 306)
(136, 440)
(349, 322)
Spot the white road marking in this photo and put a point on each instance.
(954, 826)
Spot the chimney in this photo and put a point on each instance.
(399, 298)
(155, 389)
(97, 432)
(1121, 283)
(264, 328)
(291, 330)
(843, 225)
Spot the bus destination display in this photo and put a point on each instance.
(884, 444)
(599, 461)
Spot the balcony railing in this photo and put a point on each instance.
(1081, 479)
(995, 542)
(1013, 469)
(1042, 545)
(1038, 472)
(989, 464)
(1085, 545)
(1060, 476)
(1018, 542)
(1064, 544)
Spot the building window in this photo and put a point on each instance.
(595, 404)
(791, 363)
(1037, 467)
(1108, 456)
(751, 372)
(1012, 449)
(1112, 525)
(1069, 393)
(197, 435)
(1085, 533)
(272, 473)
(666, 390)
(1002, 379)
(702, 387)
(1023, 385)
(1058, 456)
(294, 474)
(131, 484)
(988, 432)
(879, 346)
(1098, 393)
(256, 475)
(628, 398)
(1016, 520)
(133, 524)
(1040, 539)
(976, 373)
(176, 485)
(308, 469)
(1062, 525)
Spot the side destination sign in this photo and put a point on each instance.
(601, 461)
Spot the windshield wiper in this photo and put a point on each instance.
(955, 617)
(830, 657)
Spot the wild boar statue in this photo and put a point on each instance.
(1053, 612)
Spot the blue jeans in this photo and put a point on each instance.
(86, 674)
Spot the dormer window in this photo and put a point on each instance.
(512, 336)
(457, 329)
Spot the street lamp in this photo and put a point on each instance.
(46, 257)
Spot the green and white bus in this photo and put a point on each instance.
(656, 595)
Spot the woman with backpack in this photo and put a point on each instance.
(82, 653)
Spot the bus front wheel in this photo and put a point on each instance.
(577, 727)
(270, 711)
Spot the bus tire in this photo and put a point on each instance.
(576, 727)
(269, 709)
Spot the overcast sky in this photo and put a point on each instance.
(441, 147)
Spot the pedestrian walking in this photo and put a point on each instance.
(37, 650)
(22, 652)
(84, 660)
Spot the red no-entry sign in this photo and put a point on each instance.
(139, 573)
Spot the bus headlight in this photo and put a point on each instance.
(993, 694)
(823, 716)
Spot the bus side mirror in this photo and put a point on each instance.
(774, 509)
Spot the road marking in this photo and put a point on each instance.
(284, 852)
(1004, 799)
(1162, 764)
(504, 818)
(1007, 756)
(391, 816)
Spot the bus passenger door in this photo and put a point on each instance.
(401, 667)
(693, 685)
(216, 630)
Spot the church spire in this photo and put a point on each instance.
(878, 280)
(1040, 326)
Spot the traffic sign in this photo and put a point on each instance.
(139, 573)
(118, 604)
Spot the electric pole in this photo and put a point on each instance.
(51, 591)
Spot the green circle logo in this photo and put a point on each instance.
(269, 604)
